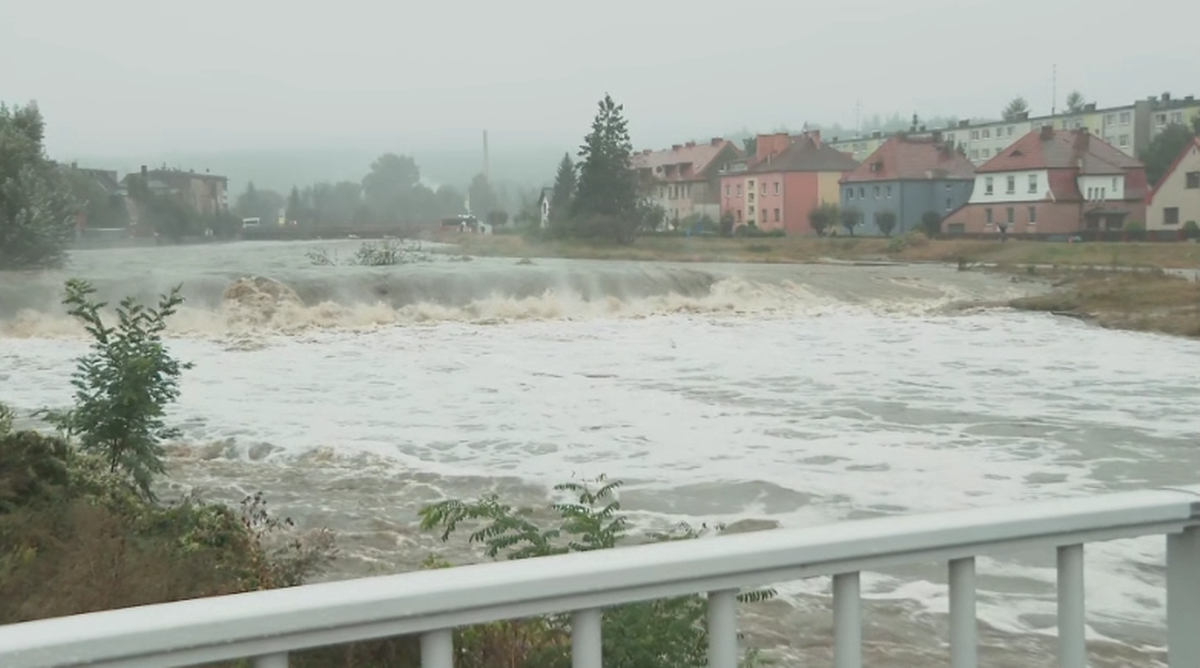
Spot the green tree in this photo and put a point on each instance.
(607, 195)
(850, 219)
(389, 189)
(1162, 151)
(37, 208)
(668, 633)
(931, 223)
(823, 218)
(886, 222)
(1015, 107)
(295, 209)
(450, 201)
(259, 203)
(122, 388)
(564, 186)
(169, 215)
(1075, 102)
(101, 209)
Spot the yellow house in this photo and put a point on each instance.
(1175, 200)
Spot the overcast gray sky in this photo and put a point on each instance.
(137, 75)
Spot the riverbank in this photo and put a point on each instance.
(912, 248)
(1138, 300)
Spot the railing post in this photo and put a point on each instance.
(1072, 645)
(964, 645)
(271, 661)
(587, 650)
(847, 621)
(722, 629)
(1183, 599)
(437, 649)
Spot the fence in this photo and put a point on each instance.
(268, 625)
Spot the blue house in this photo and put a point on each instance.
(908, 176)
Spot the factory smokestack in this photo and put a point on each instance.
(487, 161)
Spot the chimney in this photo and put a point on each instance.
(691, 144)
(676, 147)
(1047, 132)
(816, 136)
(964, 123)
(1082, 137)
(717, 141)
(1166, 97)
(1090, 106)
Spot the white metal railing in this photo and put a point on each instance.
(267, 625)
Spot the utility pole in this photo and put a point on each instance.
(487, 161)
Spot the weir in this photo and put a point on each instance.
(266, 626)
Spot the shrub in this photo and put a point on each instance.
(824, 218)
(886, 222)
(931, 224)
(1191, 230)
(122, 388)
(850, 219)
(668, 632)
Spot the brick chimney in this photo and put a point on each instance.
(676, 147)
(773, 144)
(691, 144)
(1047, 132)
(717, 141)
(1082, 140)
(815, 135)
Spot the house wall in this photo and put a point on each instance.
(1102, 187)
(1049, 217)
(1022, 192)
(910, 201)
(801, 195)
(1174, 193)
(771, 197)
(828, 189)
(733, 197)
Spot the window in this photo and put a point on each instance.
(777, 215)
(987, 185)
(849, 193)
(987, 216)
(1160, 120)
(1124, 118)
(1110, 119)
(764, 189)
(974, 134)
(1171, 216)
(862, 192)
(1033, 215)
(1114, 187)
(948, 187)
(1009, 131)
(957, 228)
(739, 215)
(776, 187)
(889, 192)
(1011, 184)
(1011, 214)
(974, 154)
(727, 190)
(750, 196)
(949, 203)
(1177, 117)
(1033, 186)
(1192, 180)
(1123, 141)
(987, 133)
(1091, 193)
(987, 152)
(739, 190)
(876, 189)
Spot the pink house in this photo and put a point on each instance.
(787, 178)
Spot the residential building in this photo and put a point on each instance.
(1175, 200)
(908, 176)
(859, 147)
(108, 212)
(1054, 182)
(684, 180)
(207, 193)
(786, 179)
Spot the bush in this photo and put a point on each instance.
(1134, 231)
(1191, 230)
(668, 632)
(123, 387)
(931, 224)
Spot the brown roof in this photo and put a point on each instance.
(805, 153)
(913, 158)
(684, 162)
(1061, 149)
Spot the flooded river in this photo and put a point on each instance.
(795, 395)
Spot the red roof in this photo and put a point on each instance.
(912, 158)
(1193, 145)
(804, 153)
(1061, 149)
(684, 162)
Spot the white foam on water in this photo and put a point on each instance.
(829, 410)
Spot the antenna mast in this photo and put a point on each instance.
(1054, 90)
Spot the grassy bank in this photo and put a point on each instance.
(913, 248)
(1146, 301)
